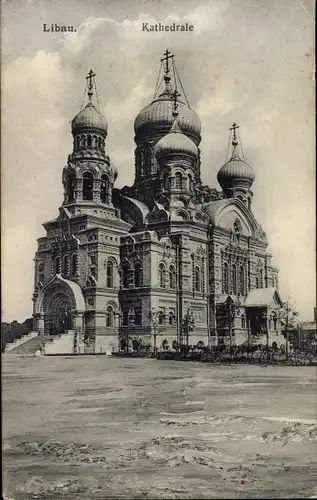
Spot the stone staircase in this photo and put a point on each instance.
(19, 341)
(32, 345)
(46, 344)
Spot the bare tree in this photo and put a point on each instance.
(288, 317)
(156, 319)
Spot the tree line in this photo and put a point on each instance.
(14, 330)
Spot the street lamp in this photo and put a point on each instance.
(188, 324)
(157, 321)
(119, 324)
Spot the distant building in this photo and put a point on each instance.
(168, 243)
(305, 335)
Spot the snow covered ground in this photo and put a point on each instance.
(97, 427)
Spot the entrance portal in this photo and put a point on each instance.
(59, 307)
(57, 317)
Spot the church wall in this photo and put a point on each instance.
(183, 243)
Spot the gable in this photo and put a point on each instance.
(229, 215)
(224, 213)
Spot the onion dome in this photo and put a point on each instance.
(236, 171)
(89, 119)
(114, 170)
(175, 142)
(157, 117)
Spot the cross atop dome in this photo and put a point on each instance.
(234, 128)
(166, 68)
(89, 117)
(91, 82)
(167, 55)
(174, 97)
(237, 150)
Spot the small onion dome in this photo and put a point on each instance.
(89, 119)
(175, 142)
(156, 117)
(235, 170)
(114, 170)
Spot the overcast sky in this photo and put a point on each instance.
(248, 61)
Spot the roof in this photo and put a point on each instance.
(223, 298)
(212, 208)
(308, 326)
(141, 206)
(175, 142)
(261, 297)
(89, 118)
(235, 168)
(157, 116)
(75, 289)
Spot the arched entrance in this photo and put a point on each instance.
(59, 307)
(57, 317)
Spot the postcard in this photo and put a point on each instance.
(158, 249)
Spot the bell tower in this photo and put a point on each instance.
(89, 175)
(236, 176)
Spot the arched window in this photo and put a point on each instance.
(261, 279)
(243, 322)
(110, 274)
(178, 180)
(138, 316)
(66, 265)
(257, 282)
(202, 287)
(138, 275)
(171, 318)
(234, 280)
(274, 318)
(162, 275)
(165, 344)
(125, 274)
(161, 318)
(172, 277)
(99, 142)
(125, 316)
(242, 280)
(109, 317)
(70, 187)
(41, 273)
(88, 183)
(74, 264)
(225, 278)
(89, 142)
(271, 323)
(166, 181)
(104, 189)
(236, 230)
(197, 279)
(190, 183)
(58, 265)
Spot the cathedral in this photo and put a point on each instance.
(166, 261)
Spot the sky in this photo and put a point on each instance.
(248, 61)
